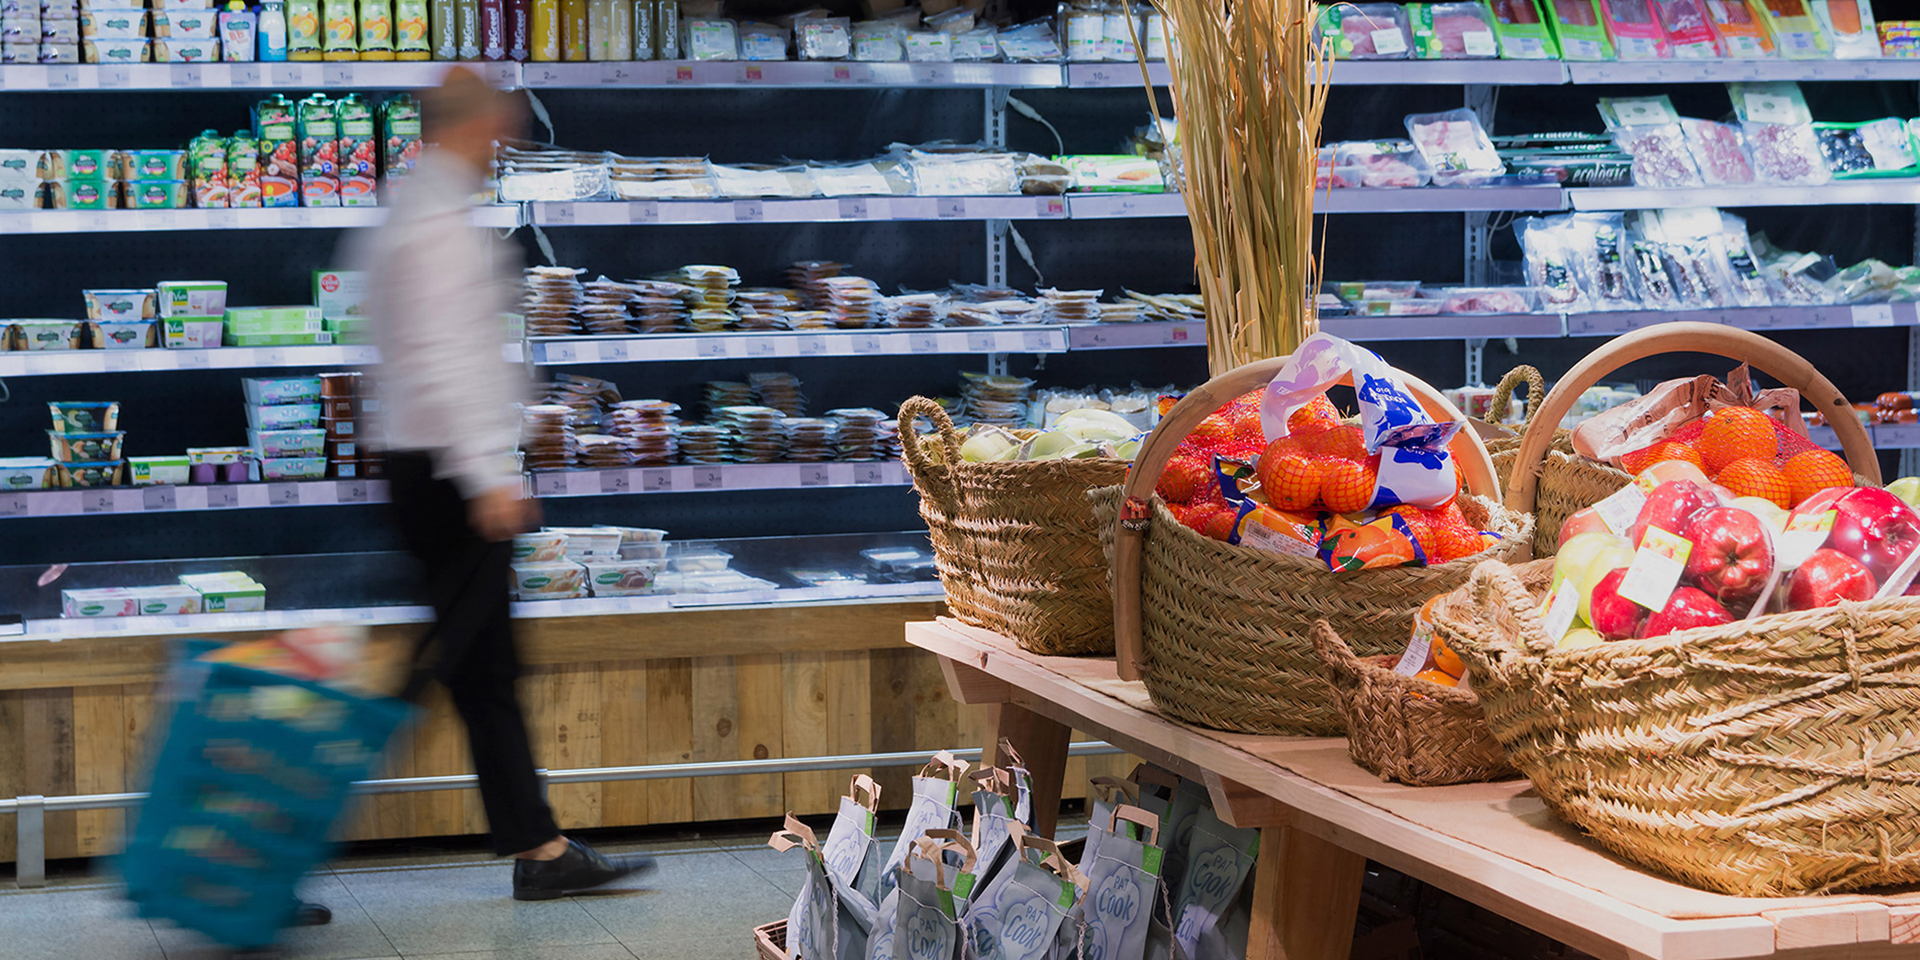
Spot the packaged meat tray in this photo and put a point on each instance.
(1487, 300)
(1456, 146)
(1380, 163)
(1796, 34)
(1635, 33)
(1877, 148)
(1452, 31)
(1717, 151)
(1689, 34)
(1740, 28)
(1522, 31)
(1365, 31)
(1578, 25)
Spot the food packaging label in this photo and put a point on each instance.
(59, 53)
(239, 32)
(104, 602)
(84, 416)
(376, 29)
(269, 391)
(91, 475)
(339, 29)
(317, 127)
(185, 24)
(358, 153)
(411, 35)
(288, 416)
(71, 447)
(558, 580)
(279, 339)
(119, 23)
(27, 473)
(123, 334)
(151, 471)
(467, 30)
(542, 547)
(621, 578)
(151, 165)
(339, 294)
(293, 468)
(153, 195)
(185, 51)
(192, 298)
(191, 332)
(119, 304)
(1656, 568)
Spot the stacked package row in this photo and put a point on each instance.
(225, 591)
(303, 428)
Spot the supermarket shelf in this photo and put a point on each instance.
(1448, 327)
(1721, 71)
(274, 620)
(825, 343)
(793, 74)
(1496, 72)
(256, 218)
(57, 362)
(242, 76)
(814, 210)
(219, 496)
(1895, 191)
(719, 476)
(1749, 318)
(1101, 206)
(1122, 336)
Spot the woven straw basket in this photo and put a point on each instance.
(1568, 482)
(1770, 757)
(1018, 552)
(1406, 729)
(1503, 449)
(1222, 634)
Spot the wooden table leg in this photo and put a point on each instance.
(1306, 893)
(1042, 743)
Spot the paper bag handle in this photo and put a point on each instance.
(864, 784)
(1138, 817)
(793, 834)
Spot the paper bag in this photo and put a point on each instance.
(927, 921)
(812, 924)
(1108, 794)
(993, 819)
(851, 854)
(1176, 833)
(1220, 860)
(1017, 914)
(1123, 882)
(1016, 769)
(935, 791)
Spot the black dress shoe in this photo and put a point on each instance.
(312, 915)
(580, 868)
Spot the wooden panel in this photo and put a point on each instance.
(99, 764)
(48, 729)
(716, 734)
(623, 739)
(804, 732)
(13, 760)
(670, 737)
(758, 736)
(573, 722)
(849, 680)
(890, 719)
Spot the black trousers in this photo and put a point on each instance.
(466, 581)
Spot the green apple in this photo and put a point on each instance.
(1906, 488)
(1578, 638)
(1584, 560)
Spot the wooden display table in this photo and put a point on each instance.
(1493, 844)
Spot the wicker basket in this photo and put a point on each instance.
(1222, 634)
(770, 940)
(1770, 757)
(1551, 482)
(1406, 729)
(1502, 449)
(1568, 481)
(1017, 550)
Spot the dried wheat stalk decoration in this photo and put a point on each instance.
(1249, 91)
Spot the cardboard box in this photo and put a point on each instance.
(167, 599)
(102, 602)
(192, 298)
(229, 592)
(192, 332)
(339, 293)
(279, 339)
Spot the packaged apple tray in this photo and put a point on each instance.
(1747, 724)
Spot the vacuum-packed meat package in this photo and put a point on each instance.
(1717, 152)
(1365, 31)
(1452, 31)
(1380, 163)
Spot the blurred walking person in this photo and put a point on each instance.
(437, 289)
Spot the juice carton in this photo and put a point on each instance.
(207, 170)
(273, 126)
(400, 127)
(317, 129)
(359, 153)
(243, 170)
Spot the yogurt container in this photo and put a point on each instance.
(590, 543)
(91, 474)
(285, 416)
(84, 416)
(101, 602)
(157, 471)
(47, 334)
(192, 298)
(559, 580)
(193, 334)
(287, 443)
(227, 592)
(293, 468)
(119, 304)
(123, 334)
(28, 473)
(76, 447)
(217, 455)
(280, 390)
(542, 547)
(622, 578)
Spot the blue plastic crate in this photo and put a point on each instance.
(246, 788)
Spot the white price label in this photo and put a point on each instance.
(1418, 647)
(558, 353)
(1620, 508)
(616, 74)
(811, 346)
(221, 496)
(1877, 315)
(285, 75)
(1035, 340)
(157, 498)
(656, 481)
(336, 75)
(550, 484)
(710, 347)
(186, 76)
(350, 491)
(749, 211)
(1389, 42)
(1561, 610)
(980, 342)
(114, 76)
(96, 501)
(614, 352)
(615, 481)
(557, 214)
(13, 505)
(296, 217)
(1656, 568)
(1641, 112)
(643, 211)
(283, 494)
(195, 359)
(923, 343)
(63, 77)
(866, 343)
(707, 478)
(814, 475)
(760, 347)
(853, 208)
(245, 75)
(1770, 108)
(1479, 43)
(867, 474)
(951, 208)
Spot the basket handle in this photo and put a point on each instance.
(1733, 343)
(1469, 452)
(1341, 663)
(918, 458)
(1503, 394)
(1499, 595)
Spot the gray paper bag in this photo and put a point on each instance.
(812, 924)
(993, 820)
(851, 854)
(1104, 794)
(935, 791)
(1017, 915)
(1123, 883)
(1176, 833)
(1016, 769)
(927, 921)
(1220, 860)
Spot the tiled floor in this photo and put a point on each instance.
(702, 903)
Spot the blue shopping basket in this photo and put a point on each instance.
(246, 789)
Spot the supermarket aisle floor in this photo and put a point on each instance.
(702, 903)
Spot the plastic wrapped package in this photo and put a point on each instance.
(1577, 261)
(849, 180)
(1652, 283)
(1380, 163)
(823, 38)
(1487, 300)
(1043, 176)
(1907, 287)
(1740, 28)
(1648, 130)
(1869, 281)
(1365, 31)
(929, 46)
(1119, 38)
(1850, 27)
(1455, 146)
(709, 39)
(1635, 33)
(661, 178)
(1452, 31)
(1325, 176)
(1577, 25)
(1900, 38)
(955, 21)
(1032, 42)
(762, 41)
(962, 174)
(1086, 35)
(1717, 152)
(1700, 277)
(980, 43)
(1689, 33)
(1523, 31)
(1877, 148)
(1749, 280)
(1796, 33)
(755, 180)
(1549, 264)
(879, 41)
(1778, 130)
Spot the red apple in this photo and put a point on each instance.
(1686, 609)
(1732, 554)
(1669, 507)
(1827, 578)
(1584, 520)
(1614, 616)
(1869, 524)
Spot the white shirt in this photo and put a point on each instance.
(437, 287)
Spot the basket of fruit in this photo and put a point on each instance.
(1416, 725)
(1229, 546)
(1726, 692)
(1006, 512)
